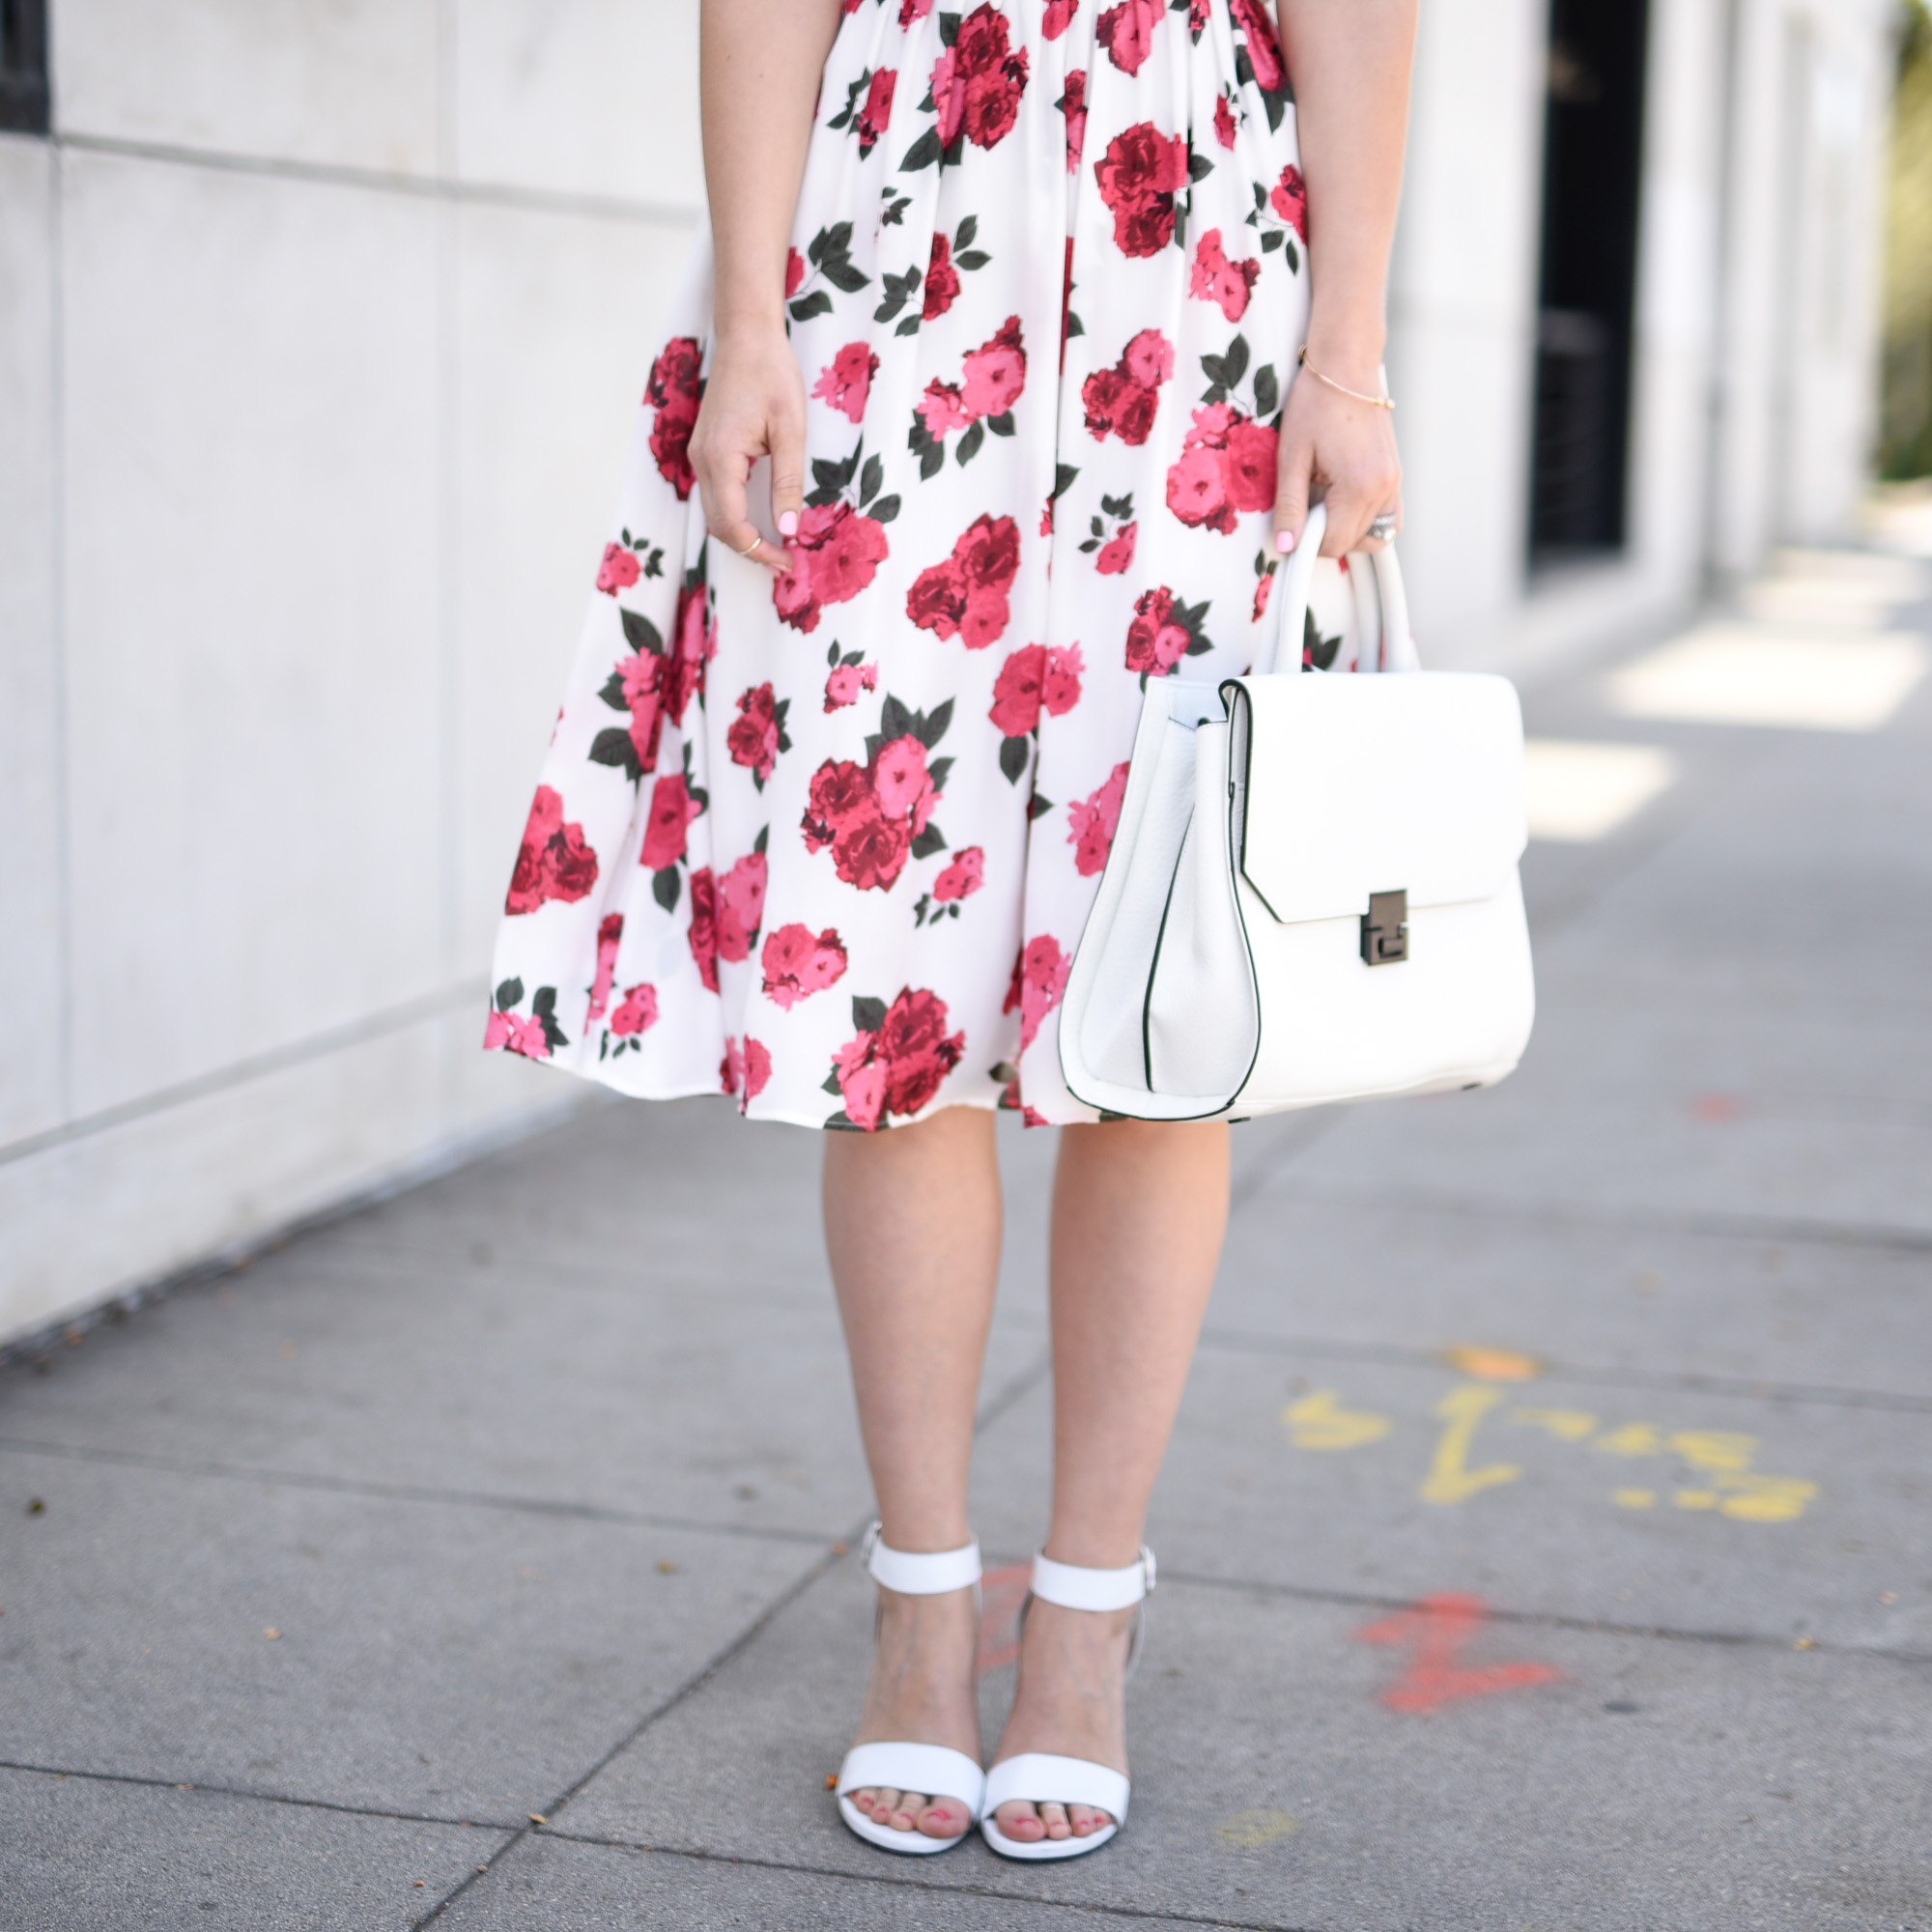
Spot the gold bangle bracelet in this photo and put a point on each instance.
(1328, 382)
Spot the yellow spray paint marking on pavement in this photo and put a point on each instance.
(1252, 1829)
(1634, 1438)
(1567, 1425)
(1493, 1365)
(1634, 1499)
(1317, 1422)
(1450, 1478)
(1753, 1497)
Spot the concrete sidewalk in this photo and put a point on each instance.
(1545, 1543)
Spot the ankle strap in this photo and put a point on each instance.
(1075, 1588)
(919, 1574)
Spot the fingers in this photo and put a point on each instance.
(1293, 474)
(788, 475)
(724, 492)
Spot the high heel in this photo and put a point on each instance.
(1038, 1777)
(933, 1769)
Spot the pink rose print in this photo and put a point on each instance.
(901, 782)
(1224, 123)
(741, 906)
(1035, 679)
(1163, 631)
(1091, 822)
(913, 10)
(1264, 584)
(1058, 18)
(1226, 466)
(757, 734)
(995, 373)
(554, 862)
(514, 1033)
(992, 377)
(1288, 199)
(1139, 175)
(849, 678)
(876, 815)
(1117, 554)
(1121, 400)
(619, 570)
(745, 1069)
(1126, 32)
(1263, 50)
(876, 117)
(695, 646)
(897, 1061)
(797, 964)
(657, 680)
(837, 554)
(961, 879)
(536, 1035)
(672, 809)
(942, 281)
(1039, 980)
(638, 1014)
(942, 410)
(794, 273)
(966, 595)
(977, 83)
(702, 935)
(1073, 105)
(846, 379)
(1217, 279)
(610, 932)
(673, 392)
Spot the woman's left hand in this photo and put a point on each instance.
(1342, 452)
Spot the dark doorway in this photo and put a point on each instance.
(23, 66)
(1593, 160)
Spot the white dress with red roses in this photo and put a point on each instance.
(828, 845)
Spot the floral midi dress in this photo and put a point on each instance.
(825, 843)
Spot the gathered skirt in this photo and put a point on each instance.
(827, 843)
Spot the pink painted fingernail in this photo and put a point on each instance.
(1284, 542)
(788, 523)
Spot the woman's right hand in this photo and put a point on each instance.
(754, 405)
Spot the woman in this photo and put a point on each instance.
(1009, 302)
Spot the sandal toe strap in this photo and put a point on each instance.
(1037, 1778)
(931, 1769)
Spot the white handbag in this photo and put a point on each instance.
(1313, 893)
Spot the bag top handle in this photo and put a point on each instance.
(1289, 604)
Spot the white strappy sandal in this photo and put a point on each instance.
(933, 1769)
(1037, 1777)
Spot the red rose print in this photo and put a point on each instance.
(1217, 279)
(1126, 32)
(876, 117)
(1122, 400)
(1264, 584)
(942, 281)
(871, 855)
(1139, 175)
(918, 1054)
(995, 373)
(1226, 464)
(1058, 18)
(1091, 822)
(741, 907)
(1039, 980)
(754, 734)
(1065, 307)
(1263, 49)
(693, 645)
(1250, 464)
(1290, 200)
(619, 570)
(794, 273)
(846, 379)
(1156, 642)
(673, 392)
(553, 862)
(639, 683)
(745, 1069)
(672, 809)
(966, 595)
(913, 10)
(837, 554)
(840, 799)
(610, 932)
(797, 964)
(964, 878)
(977, 81)
(1224, 123)
(1033, 679)
(1073, 105)
(1117, 554)
(703, 933)
(846, 682)
(638, 1012)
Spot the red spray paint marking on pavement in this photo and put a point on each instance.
(1002, 1592)
(1439, 1627)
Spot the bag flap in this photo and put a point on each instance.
(1361, 784)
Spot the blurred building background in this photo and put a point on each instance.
(322, 325)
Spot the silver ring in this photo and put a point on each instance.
(1383, 527)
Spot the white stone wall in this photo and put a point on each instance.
(322, 325)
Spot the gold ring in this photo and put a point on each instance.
(754, 544)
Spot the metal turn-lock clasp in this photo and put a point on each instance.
(1385, 930)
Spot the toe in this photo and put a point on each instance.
(862, 1801)
(1020, 1822)
(943, 1818)
(1086, 1821)
(906, 1808)
(1054, 1818)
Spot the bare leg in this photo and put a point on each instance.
(911, 1225)
(1139, 1210)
